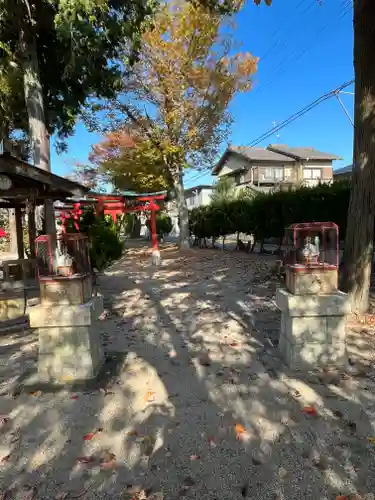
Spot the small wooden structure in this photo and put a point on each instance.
(23, 187)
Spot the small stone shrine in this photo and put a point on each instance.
(313, 310)
(70, 348)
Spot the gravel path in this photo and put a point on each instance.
(195, 402)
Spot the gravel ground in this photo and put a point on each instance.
(195, 402)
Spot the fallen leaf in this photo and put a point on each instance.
(204, 360)
(36, 394)
(74, 396)
(133, 433)
(149, 395)
(88, 436)
(106, 392)
(310, 410)
(194, 457)
(112, 464)
(4, 419)
(211, 442)
(6, 458)
(342, 497)
(62, 495)
(85, 460)
(107, 457)
(239, 429)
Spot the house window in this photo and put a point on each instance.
(239, 178)
(274, 174)
(312, 173)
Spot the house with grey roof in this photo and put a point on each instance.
(276, 167)
(344, 173)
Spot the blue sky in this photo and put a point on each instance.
(305, 49)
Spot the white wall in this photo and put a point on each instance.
(199, 198)
(233, 163)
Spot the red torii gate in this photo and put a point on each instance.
(152, 207)
(115, 205)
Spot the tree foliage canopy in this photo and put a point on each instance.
(182, 83)
(79, 45)
(129, 162)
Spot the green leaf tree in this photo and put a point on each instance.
(224, 190)
(63, 52)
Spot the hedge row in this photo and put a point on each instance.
(267, 215)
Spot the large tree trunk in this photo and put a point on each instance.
(360, 227)
(183, 212)
(38, 130)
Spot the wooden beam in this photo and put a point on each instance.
(12, 166)
(18, 193)
(31, 229)
(20, 247)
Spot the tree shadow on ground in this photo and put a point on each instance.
(201, 408)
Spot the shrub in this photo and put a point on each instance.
(163, 224)
(267, 215)
(104, 238)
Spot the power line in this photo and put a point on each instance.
(289, 29)
(300, 113)
(332, 93)
(346, 7)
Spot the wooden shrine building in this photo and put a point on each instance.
(24, 187)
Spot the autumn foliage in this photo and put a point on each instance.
(176, 102)
(129, 162)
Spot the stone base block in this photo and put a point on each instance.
(334, 304)
(312, 355)
(313, 329)
(311, 280)
(70, 347)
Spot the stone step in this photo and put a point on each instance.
(16, 325)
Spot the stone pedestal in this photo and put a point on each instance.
(70, 347)
(70, 290)
(313, 329)
(13, 304)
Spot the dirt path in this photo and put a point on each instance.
(196, 403)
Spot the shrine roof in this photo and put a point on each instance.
(20, 181)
